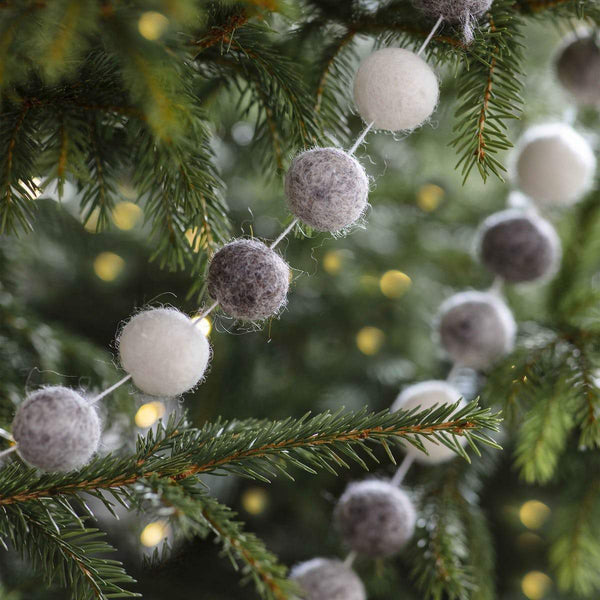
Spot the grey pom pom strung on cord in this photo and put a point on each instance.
(578, 68)
(476, 329)
(519, 247)
(56, 429)
(327, 579)
(249, 280)
(375, 518)
(326, 188)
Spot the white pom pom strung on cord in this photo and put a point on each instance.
(476, 329)
(555, 165)
(326, 188)
(375, 518)
(578, 68)
(395, 89)
(249, 280)
(327, 579)
(518, 246)
(163, 351)
(56, 429)
(424, 395)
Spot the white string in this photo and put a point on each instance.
(7, 451)
(403, 469)
(350, 559)
(112, 388)
(6, 435)
(361, 138)
(284, 233)
(431, 34)
(497, 285)
(205, 313)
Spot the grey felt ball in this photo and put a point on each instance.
(476, 329)
(56, 429)
(578, 68)
(375, 518)
(464, 12)
(519, 247)
(326, 188)
(249, 280)
(327, 579)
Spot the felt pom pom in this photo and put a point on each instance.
(476, 329)
(518, 246)
(375, 518)
(578, 68)
(56, 429)
(326, 188)
(327, 579)
(249, 280)
(163, 351)
(424, 395)
(555, 165)
(395, 89)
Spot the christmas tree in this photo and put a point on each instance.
(178, 173)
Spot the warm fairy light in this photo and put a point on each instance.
(429, 197)
(533, 514)
(193, 239)
(535, 585)
(332, 262)
(108, 266)
(152, 25)
(154, 533)
(369, 340)
(205, 324)
(394, 284)
(149, 413)
(126, 214)
(92, 223)
(255, 500)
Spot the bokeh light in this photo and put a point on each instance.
(205, 324)
(536, 585)
(394, 284)
(154, 533)
(193, 240)
(108, 266)
(149, 413)
(533, 514)
(332, 262)
(126, 214)
(429, 197)
(152, 25)
(255, 500)
(369, 340)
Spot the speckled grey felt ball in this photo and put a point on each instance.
(578, 69)
(56, 429)
(327, 579)
(519, 247)
(465, 12)
(249, 280)
(476, 329)
(375, 518)
(326, 188)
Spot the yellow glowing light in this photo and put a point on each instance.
(193, 241)
(92, 222)
(533, 514)
(108, 266)
(429, 197)
(535, 585)
(152, 25)
(205, 324)
(255, 500)
(394, 284)
(369, 340)
(332, 262)
(149, 413)
(154, 533)
(126, 214)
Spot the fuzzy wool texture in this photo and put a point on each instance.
(163, 350)
(327, 579)
(476, 329)
(249, 280)
(578, 68)
(56, 429)
(425, 395)
(327, 189)
(555, 165)
(464, 12)
(518, 246)
(375, 518)
(395, 90)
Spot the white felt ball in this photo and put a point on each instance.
(395, 89)
(578, 68)
(56, 429)
(425, 395)
(375, 518)
(327, 579)
(476, 329)
(555, 165)
(163, 350)
(518, 246)
(326, 188)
